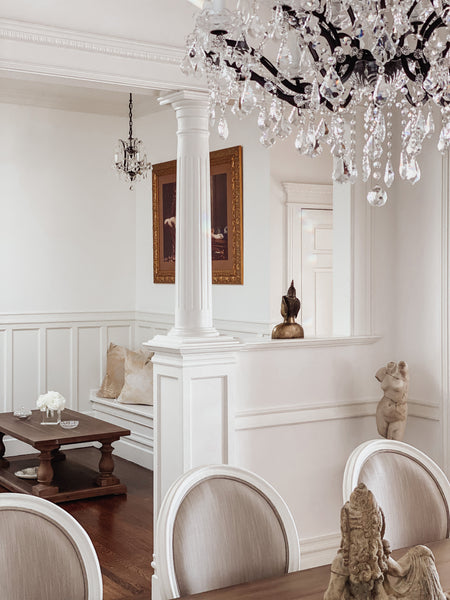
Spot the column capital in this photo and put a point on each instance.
(185, 98)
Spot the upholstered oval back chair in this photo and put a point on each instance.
(44, 553)
(412, 490)
(220, 526)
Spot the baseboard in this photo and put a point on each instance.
(319, 550)
(135, 452)
(138, 446)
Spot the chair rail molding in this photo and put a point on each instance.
(87, 57)
(299, 414)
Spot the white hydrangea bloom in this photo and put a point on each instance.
(51, 401)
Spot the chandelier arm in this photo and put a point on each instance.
(326, 32)
(406, 68)
(351, 14)
(427, 33)
(411, 10)
(331, 34)
(265, 62)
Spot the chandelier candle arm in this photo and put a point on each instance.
(305, 66)
(130, 158)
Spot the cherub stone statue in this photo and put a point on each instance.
(363, 568)
(290, 305)
(392, 410)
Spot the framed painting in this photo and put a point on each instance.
(226, 218)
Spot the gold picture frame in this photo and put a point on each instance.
(226, 218)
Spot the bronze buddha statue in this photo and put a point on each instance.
(289, 329)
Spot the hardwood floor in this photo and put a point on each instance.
(120, 527)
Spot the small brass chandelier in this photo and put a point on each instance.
(130, 158)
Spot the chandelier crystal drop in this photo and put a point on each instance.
(130, 159)
(317, 68)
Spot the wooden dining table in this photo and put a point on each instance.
(311, 584)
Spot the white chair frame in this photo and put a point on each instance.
(164, 559)
(359, 456)
(63, 521)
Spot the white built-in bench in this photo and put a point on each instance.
(138, 418)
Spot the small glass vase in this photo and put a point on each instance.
(50, 417)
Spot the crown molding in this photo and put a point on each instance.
(43, 35)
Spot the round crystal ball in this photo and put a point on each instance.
(377, 196)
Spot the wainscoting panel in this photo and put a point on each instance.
(26, 373)
(65, 352)
(90, 350)
(58, 362)
(208, 404)
(120, 334)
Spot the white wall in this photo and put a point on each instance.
(421, 235)
(67, 228)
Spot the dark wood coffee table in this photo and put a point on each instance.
(59, 479)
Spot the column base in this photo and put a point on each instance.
(174, 341)
(194, 334)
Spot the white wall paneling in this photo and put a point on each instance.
(64, 352)
(27, 380)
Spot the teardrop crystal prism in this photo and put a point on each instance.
(366, 170)
(222, 128)
(389, 174)
(444, 138)
(377, 196)
(315, 96)
(332, 88)
(341, 171)
(381, 91)
(403, 167)
(300, 140)
(429, 126)
(412, 170)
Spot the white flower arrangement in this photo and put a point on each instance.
(51, 401)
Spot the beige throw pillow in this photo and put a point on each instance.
(138, 386)
(115, 372)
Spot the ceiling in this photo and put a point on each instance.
(53, 93)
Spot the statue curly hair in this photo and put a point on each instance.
(362, 528)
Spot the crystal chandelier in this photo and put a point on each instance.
(130, 159)
(318, 68)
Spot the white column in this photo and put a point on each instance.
(193, 295)
(193, 366)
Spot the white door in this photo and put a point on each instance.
(316, 292)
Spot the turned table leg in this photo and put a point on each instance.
(44, 486)
(106, 465)
(3, 462)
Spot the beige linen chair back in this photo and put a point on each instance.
(44, 553)
(410, 488)
(220, 526)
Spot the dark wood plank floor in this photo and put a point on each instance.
(120, 527)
